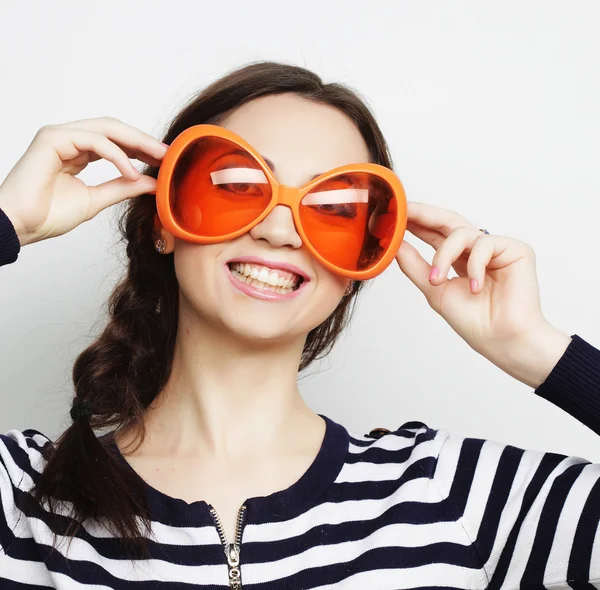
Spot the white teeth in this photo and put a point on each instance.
(263, 278)
(282, 290)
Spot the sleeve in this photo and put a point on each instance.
(574, 383)
(9, 241)
(532, 517)
(20, 463)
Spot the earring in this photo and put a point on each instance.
(161, 245)
(349, 288)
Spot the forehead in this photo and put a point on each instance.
(300, 137)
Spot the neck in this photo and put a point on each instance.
(229, 397)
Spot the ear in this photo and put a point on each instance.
(161, 232)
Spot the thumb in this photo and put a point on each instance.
(114, 191)
(415, 267)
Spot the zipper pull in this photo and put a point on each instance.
(233, 561)
(233, 557)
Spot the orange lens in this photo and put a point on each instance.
(217, 188)
(350, 219)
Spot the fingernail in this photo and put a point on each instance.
(474, 285)
(435, 271)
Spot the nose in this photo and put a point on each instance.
(278, 229)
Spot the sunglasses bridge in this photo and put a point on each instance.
(287, 195)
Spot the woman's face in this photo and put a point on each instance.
(300, 139)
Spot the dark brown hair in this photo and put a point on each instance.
(126, 367)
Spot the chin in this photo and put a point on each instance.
(261, 331)
(252, 319)
(272, 323)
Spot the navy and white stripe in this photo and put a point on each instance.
(416, 508)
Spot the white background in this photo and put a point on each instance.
(490, 109)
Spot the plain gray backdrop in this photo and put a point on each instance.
(490, 109)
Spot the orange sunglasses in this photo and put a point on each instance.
(213, 186)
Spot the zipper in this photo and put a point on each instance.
(232, 550)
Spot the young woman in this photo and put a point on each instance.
(211, 471)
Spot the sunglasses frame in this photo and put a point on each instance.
(281, 194)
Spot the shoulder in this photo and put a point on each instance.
(388, 454)
(438, 455)
(21, 458)
(408, 436)
(459, 466)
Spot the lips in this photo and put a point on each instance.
(289, 271)
(279, 281)
(266, 279)
(265, 291)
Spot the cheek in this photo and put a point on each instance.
(195, 269)
(329, 290)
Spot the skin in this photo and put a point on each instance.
(237, 357)
(231, 424)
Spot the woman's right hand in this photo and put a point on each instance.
(41, 194)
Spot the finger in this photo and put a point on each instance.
(415, 267)
(134, 155)
(429, 236)
(484, 249)
(493, 252)
(119, 189)
(430, 217)
(142, 157)
(70, 144)
(435, 240)
(125, 136)
(461, 240)
(86, 141)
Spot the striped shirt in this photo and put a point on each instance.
(411, 508)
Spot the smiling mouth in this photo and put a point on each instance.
(264, 278)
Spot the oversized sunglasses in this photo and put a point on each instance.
(213, 186)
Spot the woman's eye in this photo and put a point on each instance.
(238, 187)
(241, 188)
(240, 181)
(340, 210)
(342, 202)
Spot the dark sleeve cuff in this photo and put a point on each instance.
(9, 241)
(574, 383)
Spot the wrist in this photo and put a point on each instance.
(532, 358)
(17, 226)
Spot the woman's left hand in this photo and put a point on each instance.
(494, 303)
